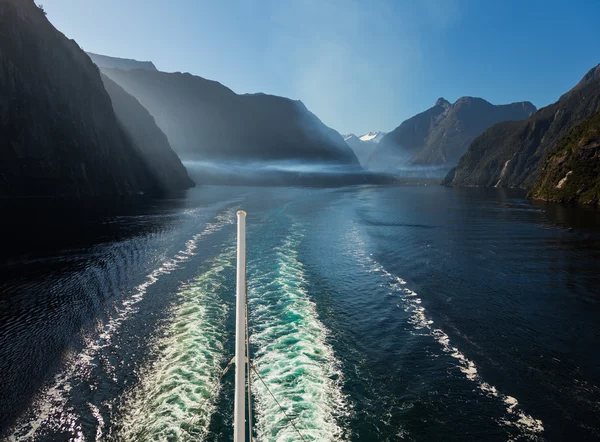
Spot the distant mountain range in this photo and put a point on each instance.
(512, 153)
(364, 145)
(205, 120)
(59, 134)
(442, 133)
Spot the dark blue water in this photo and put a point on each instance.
(376, 314)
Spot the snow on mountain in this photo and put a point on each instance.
(372, 136)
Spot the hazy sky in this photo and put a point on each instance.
(358, 65)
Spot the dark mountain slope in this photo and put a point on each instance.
(441, 134)
(510, 154)
(204, 120)
(58, 133)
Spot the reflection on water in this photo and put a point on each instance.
(579, 217)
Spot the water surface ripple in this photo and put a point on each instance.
(376, 314)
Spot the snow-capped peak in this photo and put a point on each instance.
(347, 137)
(372, 136)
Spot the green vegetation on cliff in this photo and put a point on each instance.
(571, 171)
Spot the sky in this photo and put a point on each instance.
(358, 65)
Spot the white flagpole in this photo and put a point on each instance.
(239, 418)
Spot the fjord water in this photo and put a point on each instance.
(376, 314)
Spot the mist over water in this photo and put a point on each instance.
(423, 170)
(402, 168)
(302, 173)
(375, 313)
(282, 173)
(254, 169)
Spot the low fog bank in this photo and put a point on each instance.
(433, 172)
(415, 174)
(283, 173)
(401, 166)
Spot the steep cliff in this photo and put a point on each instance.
(510, 154)
(144, 134)
(59, 136)
(441, 134)
(571, 171)
(204, 120)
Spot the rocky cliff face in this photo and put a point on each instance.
(149, 140)
(58, 133)
(510, 154)
(571, 171)
(441, 134)
(204, 120)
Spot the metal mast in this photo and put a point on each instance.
(239, 418)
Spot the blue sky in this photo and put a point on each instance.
(358, 65)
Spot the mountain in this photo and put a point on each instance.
(103, 61)
(362, 149)
(59, 135)
(511, 154)
(571, 171)
(364, 145)
(144, 134)
(206, 121)
(442, 133)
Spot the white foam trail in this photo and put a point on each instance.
(175, 397)
(411, 303)
(50, 408)
(98, 416)
(293, 356)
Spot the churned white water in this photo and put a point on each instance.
(293, 356)
(176, 395)
(51, 411)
